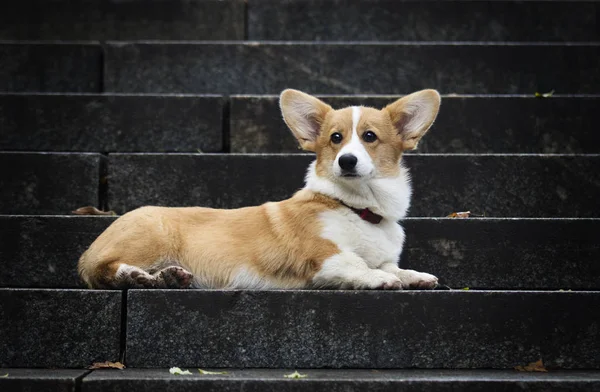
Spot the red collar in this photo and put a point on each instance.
(365, 214)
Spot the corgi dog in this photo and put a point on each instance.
(340, 231)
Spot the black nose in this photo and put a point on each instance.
(348, 162)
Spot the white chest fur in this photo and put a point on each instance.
(374, 243)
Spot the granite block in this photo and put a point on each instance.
(350, 68)
(42, 251)
(211, 180)
(465, 124)
(50, 67)
(321, 380)
(49, 183)
(122, 20)
(487, 185)
(534, 186)
(361, 329)
(505, 253)
(103, 123)
(32, 380)
(59, 328)
(389, 20)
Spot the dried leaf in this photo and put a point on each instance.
(89, 210)
(544, 95)
(209, 372)
(107, 365)
(464, 214)
(295, 375)
(536, 366)
(178, 371)
(4, 376)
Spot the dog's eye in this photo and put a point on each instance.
(336, 138)
(369, 136)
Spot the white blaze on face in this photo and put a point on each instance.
(364, 165)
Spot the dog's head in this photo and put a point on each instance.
(359, 142)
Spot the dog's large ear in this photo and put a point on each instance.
(413, 115)
(304, 115)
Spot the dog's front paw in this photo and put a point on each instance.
(384, 281)
(417, 280)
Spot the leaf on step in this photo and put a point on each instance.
(209, 372)
(107, 365)
(544, 95)
(89, 210)
(178, 371)
(536, 366)
(465, 288)
(464, 214)
(4, 376)
(295, 375)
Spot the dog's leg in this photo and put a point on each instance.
(348, 271)
(131, 277)
(410, 278)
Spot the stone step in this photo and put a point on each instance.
(382, 20)
(188, 123)
(50, 67)
(59, 328)
(103, 123)
(465, 124)
(50, 183)
(368, 329)
(350, 67)
(488, 185)
(123, 20)
(42, 251)
(47, 380)
(321, 380)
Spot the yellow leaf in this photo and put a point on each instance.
(107, 365)
(6, 375)
(295, 375)
(464, 214)
(209, 372)
(465, 288)
(537, 366)
(178, 371)
(544, 95)
(89, 210)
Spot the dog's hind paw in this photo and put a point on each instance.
(174, 277)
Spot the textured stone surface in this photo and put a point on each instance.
(368, 329)
(49, 122)
(505, 253)
(214, 180)
(482, 253)
(342, 380)
(56, 380)
(490, 185)
(51, 67)
(42, 251)
(484, 124)
(58, 328)
(350, 68)
(122, 20)
(369, 20)
(49, 183)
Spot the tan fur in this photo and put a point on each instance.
(278, 242)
